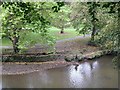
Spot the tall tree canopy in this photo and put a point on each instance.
(23, 17)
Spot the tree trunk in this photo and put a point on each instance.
(0, 2)
(92, 12)
(62, 30)
(93, 33)
(94, 28)
(15, 44)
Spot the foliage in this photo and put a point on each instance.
(27, 23)
(80, 18)
(27, 17)
(104, 17)
(61, 19)
(109, 36)
(84, 17)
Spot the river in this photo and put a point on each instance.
(98, 73)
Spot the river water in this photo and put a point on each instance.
(98, 73)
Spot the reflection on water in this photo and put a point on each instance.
(82, 74)
(93, 74)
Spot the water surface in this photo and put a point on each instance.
(93, 74)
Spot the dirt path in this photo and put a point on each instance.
(75, 45)
(71, 45)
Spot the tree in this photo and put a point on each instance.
(26, 17)
(84, 17)
(92, 11)
(61, 18)
(110, 30)
(109, 36)
(13, 23)
(80, 18)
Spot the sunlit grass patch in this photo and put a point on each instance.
(68, 33)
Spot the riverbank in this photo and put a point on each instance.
(23, 68)
(66, 47)
(14, 68)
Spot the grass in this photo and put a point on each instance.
(6, 42)
(68, 33)
(55, 32)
